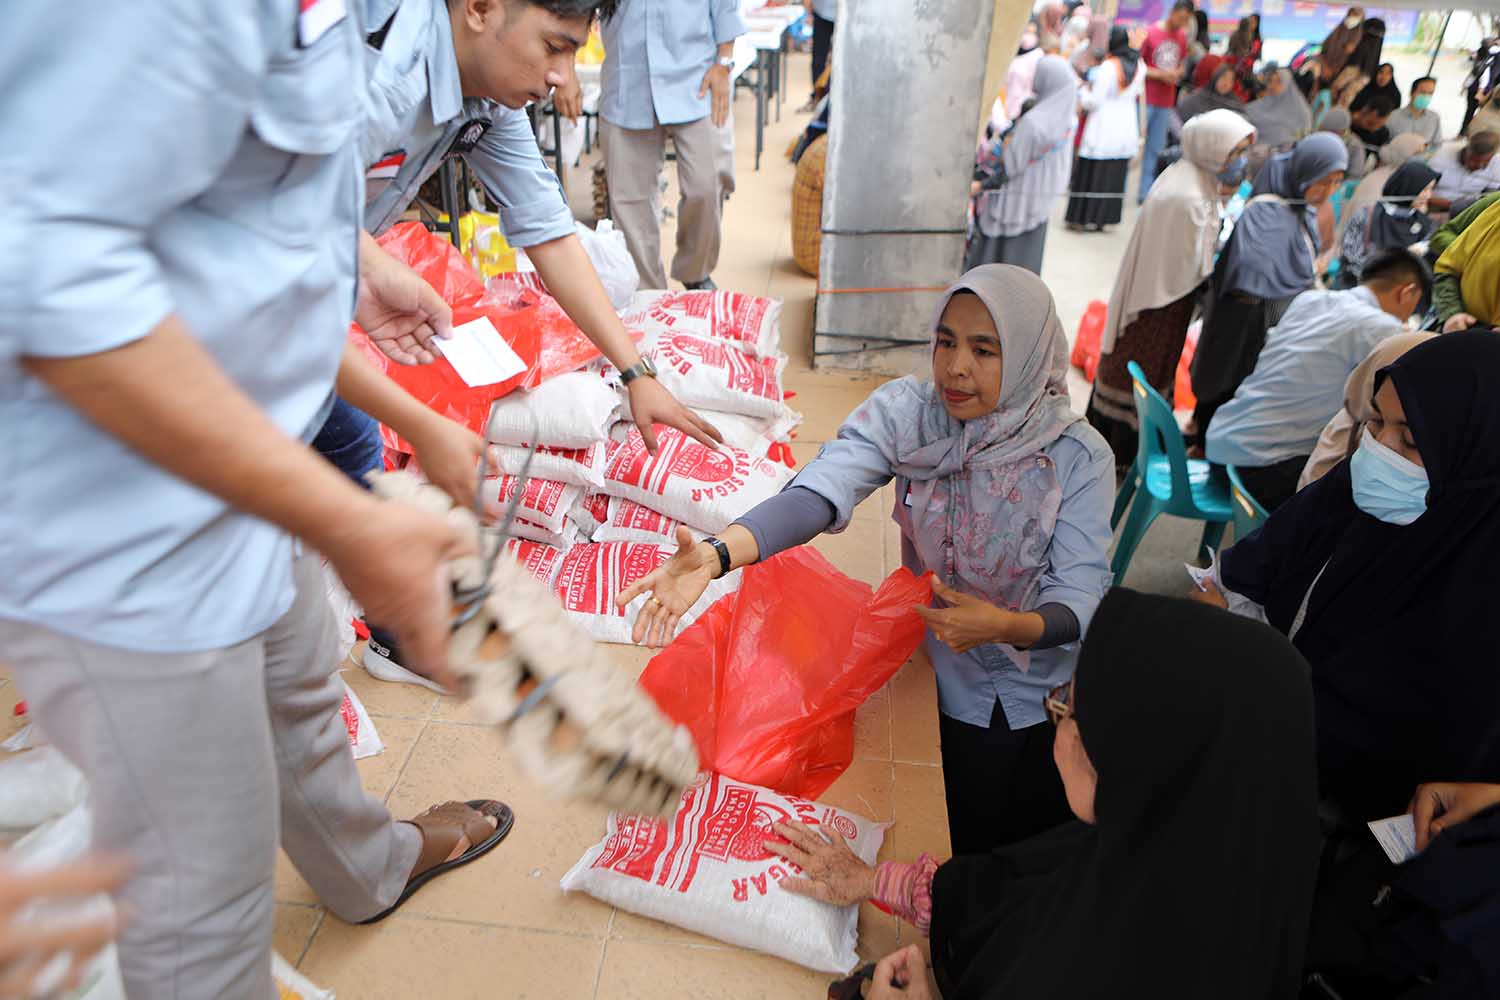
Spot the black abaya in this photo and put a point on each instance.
(1197, 880)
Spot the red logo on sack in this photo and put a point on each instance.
(351, 719)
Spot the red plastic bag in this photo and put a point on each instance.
(1090, 334)
(436, 259)
(1182, 384)
(769, 677)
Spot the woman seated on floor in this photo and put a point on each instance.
(1191, 874)
(1005, 494)
(1398, 223)
(1381, 574)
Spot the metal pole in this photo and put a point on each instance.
(1437, 47)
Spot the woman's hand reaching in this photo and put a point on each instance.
(674, 588)
(967, 621)
(1207, 593)
(1438, 806)
(832, 872)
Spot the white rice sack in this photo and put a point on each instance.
(750, 322)
(541, 561)
(707, 871)
(590, 512)
(655, 323)
(753, 434)
(712, 375)
(545, 505)
(630, 522)
(701, 487)
(574, 466)
(363, 739)
(568, 411)
(594, 574)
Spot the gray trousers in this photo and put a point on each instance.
(197, 764)
(633, 160)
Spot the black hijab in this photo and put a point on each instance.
(1395, 223)
(1390, 91)
(1119, 47)
(1401, 628)
(1198, 879)
(1206, 98)
(1366, 54)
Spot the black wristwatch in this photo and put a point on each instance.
(635, 371)
(723, 550)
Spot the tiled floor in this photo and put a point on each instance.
(501, 927)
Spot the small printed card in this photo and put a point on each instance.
(479, 354)
(1398, 837)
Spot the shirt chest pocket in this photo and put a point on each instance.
(296, 166)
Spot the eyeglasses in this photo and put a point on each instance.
(1059, 703)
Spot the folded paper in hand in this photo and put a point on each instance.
(1397, 836)
(479, 354)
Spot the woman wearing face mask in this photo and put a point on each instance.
(1001, 491)
(1401, 221)
(1162, 272)
(1267, 262)
(1379, 572)
(1191, 874)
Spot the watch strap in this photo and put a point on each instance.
(635, 371)
(725, 562)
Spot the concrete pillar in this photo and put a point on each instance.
(910, 79)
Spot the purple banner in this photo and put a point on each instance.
(1284, 19)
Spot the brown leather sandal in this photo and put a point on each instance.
(443, 826)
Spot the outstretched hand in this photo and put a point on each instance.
(674, 588)
(832, 872)
(967, 622)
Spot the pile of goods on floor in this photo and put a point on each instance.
(599, 512)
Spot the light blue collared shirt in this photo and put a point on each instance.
(166, 157)
(826, 9)
(1297, 386)
(419, 117)
(656, 54)
(1077, 574)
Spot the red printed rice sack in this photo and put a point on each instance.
(594, 574)
(701, 487)
(753, 434)
(750, 322)
(543, 513)
(590, 512)
(707, 870)
(542, 561)
(575, 466)
(711, 375)
(630, 522)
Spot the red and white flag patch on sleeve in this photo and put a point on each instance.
(315, 17)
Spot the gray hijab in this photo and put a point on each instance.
(1038, 156)
(985, 483)
(1270, 253)
(1282, 119)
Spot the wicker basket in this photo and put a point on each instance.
(807, 206)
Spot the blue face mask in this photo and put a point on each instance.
(1231, 175)
(1387, 486)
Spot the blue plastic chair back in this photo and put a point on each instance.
(1248, 513)
(1159, 436)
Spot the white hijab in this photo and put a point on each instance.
(1171, 249)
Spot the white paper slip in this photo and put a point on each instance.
(479, 354)
(1397, 836)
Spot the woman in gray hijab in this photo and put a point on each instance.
(1025, 173)
(1281, 116)
(1267, 262)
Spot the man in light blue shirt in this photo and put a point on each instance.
(1270, 426)
(666, 72)
(452, 78)
(180, 253)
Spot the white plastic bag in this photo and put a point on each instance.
(708, 871)
(606, 247)
(630, 522)
(36, 786)
(576, 466)
(593, 575)
(345, 610)
(293, 985)
(750, 322)
(701, 487)
(363, 739)
(569, 411)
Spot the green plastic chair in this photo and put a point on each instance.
(1248, 513)
(1163, 480)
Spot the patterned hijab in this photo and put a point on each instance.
(983, 484)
